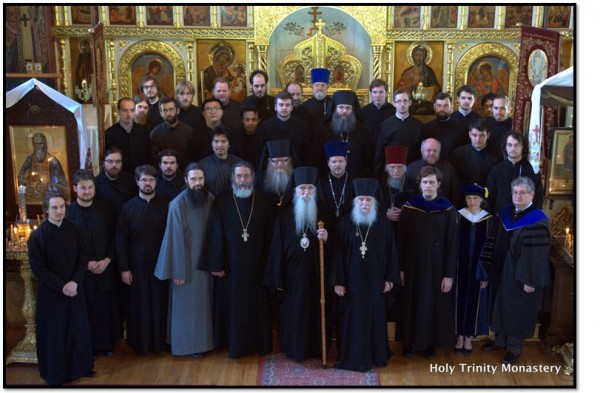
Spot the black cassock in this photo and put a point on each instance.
(138, 238)
(427, 242)
(242, 320)
(363, 323)
(58, 255)
(296, 271)
(101, 290)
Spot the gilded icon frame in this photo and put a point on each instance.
(560, 181)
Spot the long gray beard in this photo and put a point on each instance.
(340, 124)
(276, 180)
(319, 95)
(396, 183)
(305, 214)
(360, 219)
(40, 155)
(242, 192)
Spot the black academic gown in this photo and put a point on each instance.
(58, 255)
(498, 131)
(472, 300)
(241, 304)
(523, 249)
(138, 238)
(363, 321)
(296, 271)
(101, 290)
(500, 177)
(428, 251)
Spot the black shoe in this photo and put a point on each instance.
(458, 350)
(510, 357)
(429, 353)
(197, 355)
(91, 374)
(491, 346)
(408, 352)
(467, 351)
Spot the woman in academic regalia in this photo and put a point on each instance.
(475, 225)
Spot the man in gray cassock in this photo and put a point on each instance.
(190, 318)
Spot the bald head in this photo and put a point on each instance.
(430, 150)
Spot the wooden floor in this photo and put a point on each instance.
(125, 368)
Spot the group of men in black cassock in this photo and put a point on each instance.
(390, 250)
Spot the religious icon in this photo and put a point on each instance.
(444, 17)
(234, 16)
(481, 16)
(161, 15)
(157, 65)
(406, 16)
(537, 67)
(121, 15)
(196, 15)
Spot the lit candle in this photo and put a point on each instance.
(83, 84)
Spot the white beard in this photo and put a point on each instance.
(319, 95)
(242, 192)
(305, 214)
(365, 219)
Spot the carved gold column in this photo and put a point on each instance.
(463, 18)
(262, 57)
(63, 68)
(113, 78)
(389, 75)
(450, 73)
(377, 50)
(102, 15)
(178, 16)
(56, 15)
(66, 15)
(140, 11)
(251, 50)
(539, 17)
(25, 351)
(501, 17)
(190, 56)
(426, 13)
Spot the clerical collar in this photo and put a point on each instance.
(127, 129)
(517, 210)
(464, 112)
(58, 224)
(399, 116)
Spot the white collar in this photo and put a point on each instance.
(472, 217)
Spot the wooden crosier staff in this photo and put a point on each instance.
(321, 225)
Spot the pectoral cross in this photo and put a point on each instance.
(24, 19)
(245, 235)
(363, 249)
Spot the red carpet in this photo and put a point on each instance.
(277, 370)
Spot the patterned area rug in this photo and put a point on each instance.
(277, 370)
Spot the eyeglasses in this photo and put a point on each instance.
(111, 162)
(520, 193)
(401, 101)
(148, 87)
(147, 180)
(395, 168)
(276, 161)
(514, 144)
(212, 110)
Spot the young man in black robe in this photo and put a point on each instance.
(285, 126)
(365, 269)
(173, 134)
(293, 267)
(451, 133)
(522, 250)
(378, 110)
(500, 124)
(427, 243)
(59, 251)
(217, 166)
(260, 99)
(101, 283)
(138, 238)
(235, 252)
(113, 184)
(170, 182)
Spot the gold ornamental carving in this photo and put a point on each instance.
(143, 47)
(320, 51)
